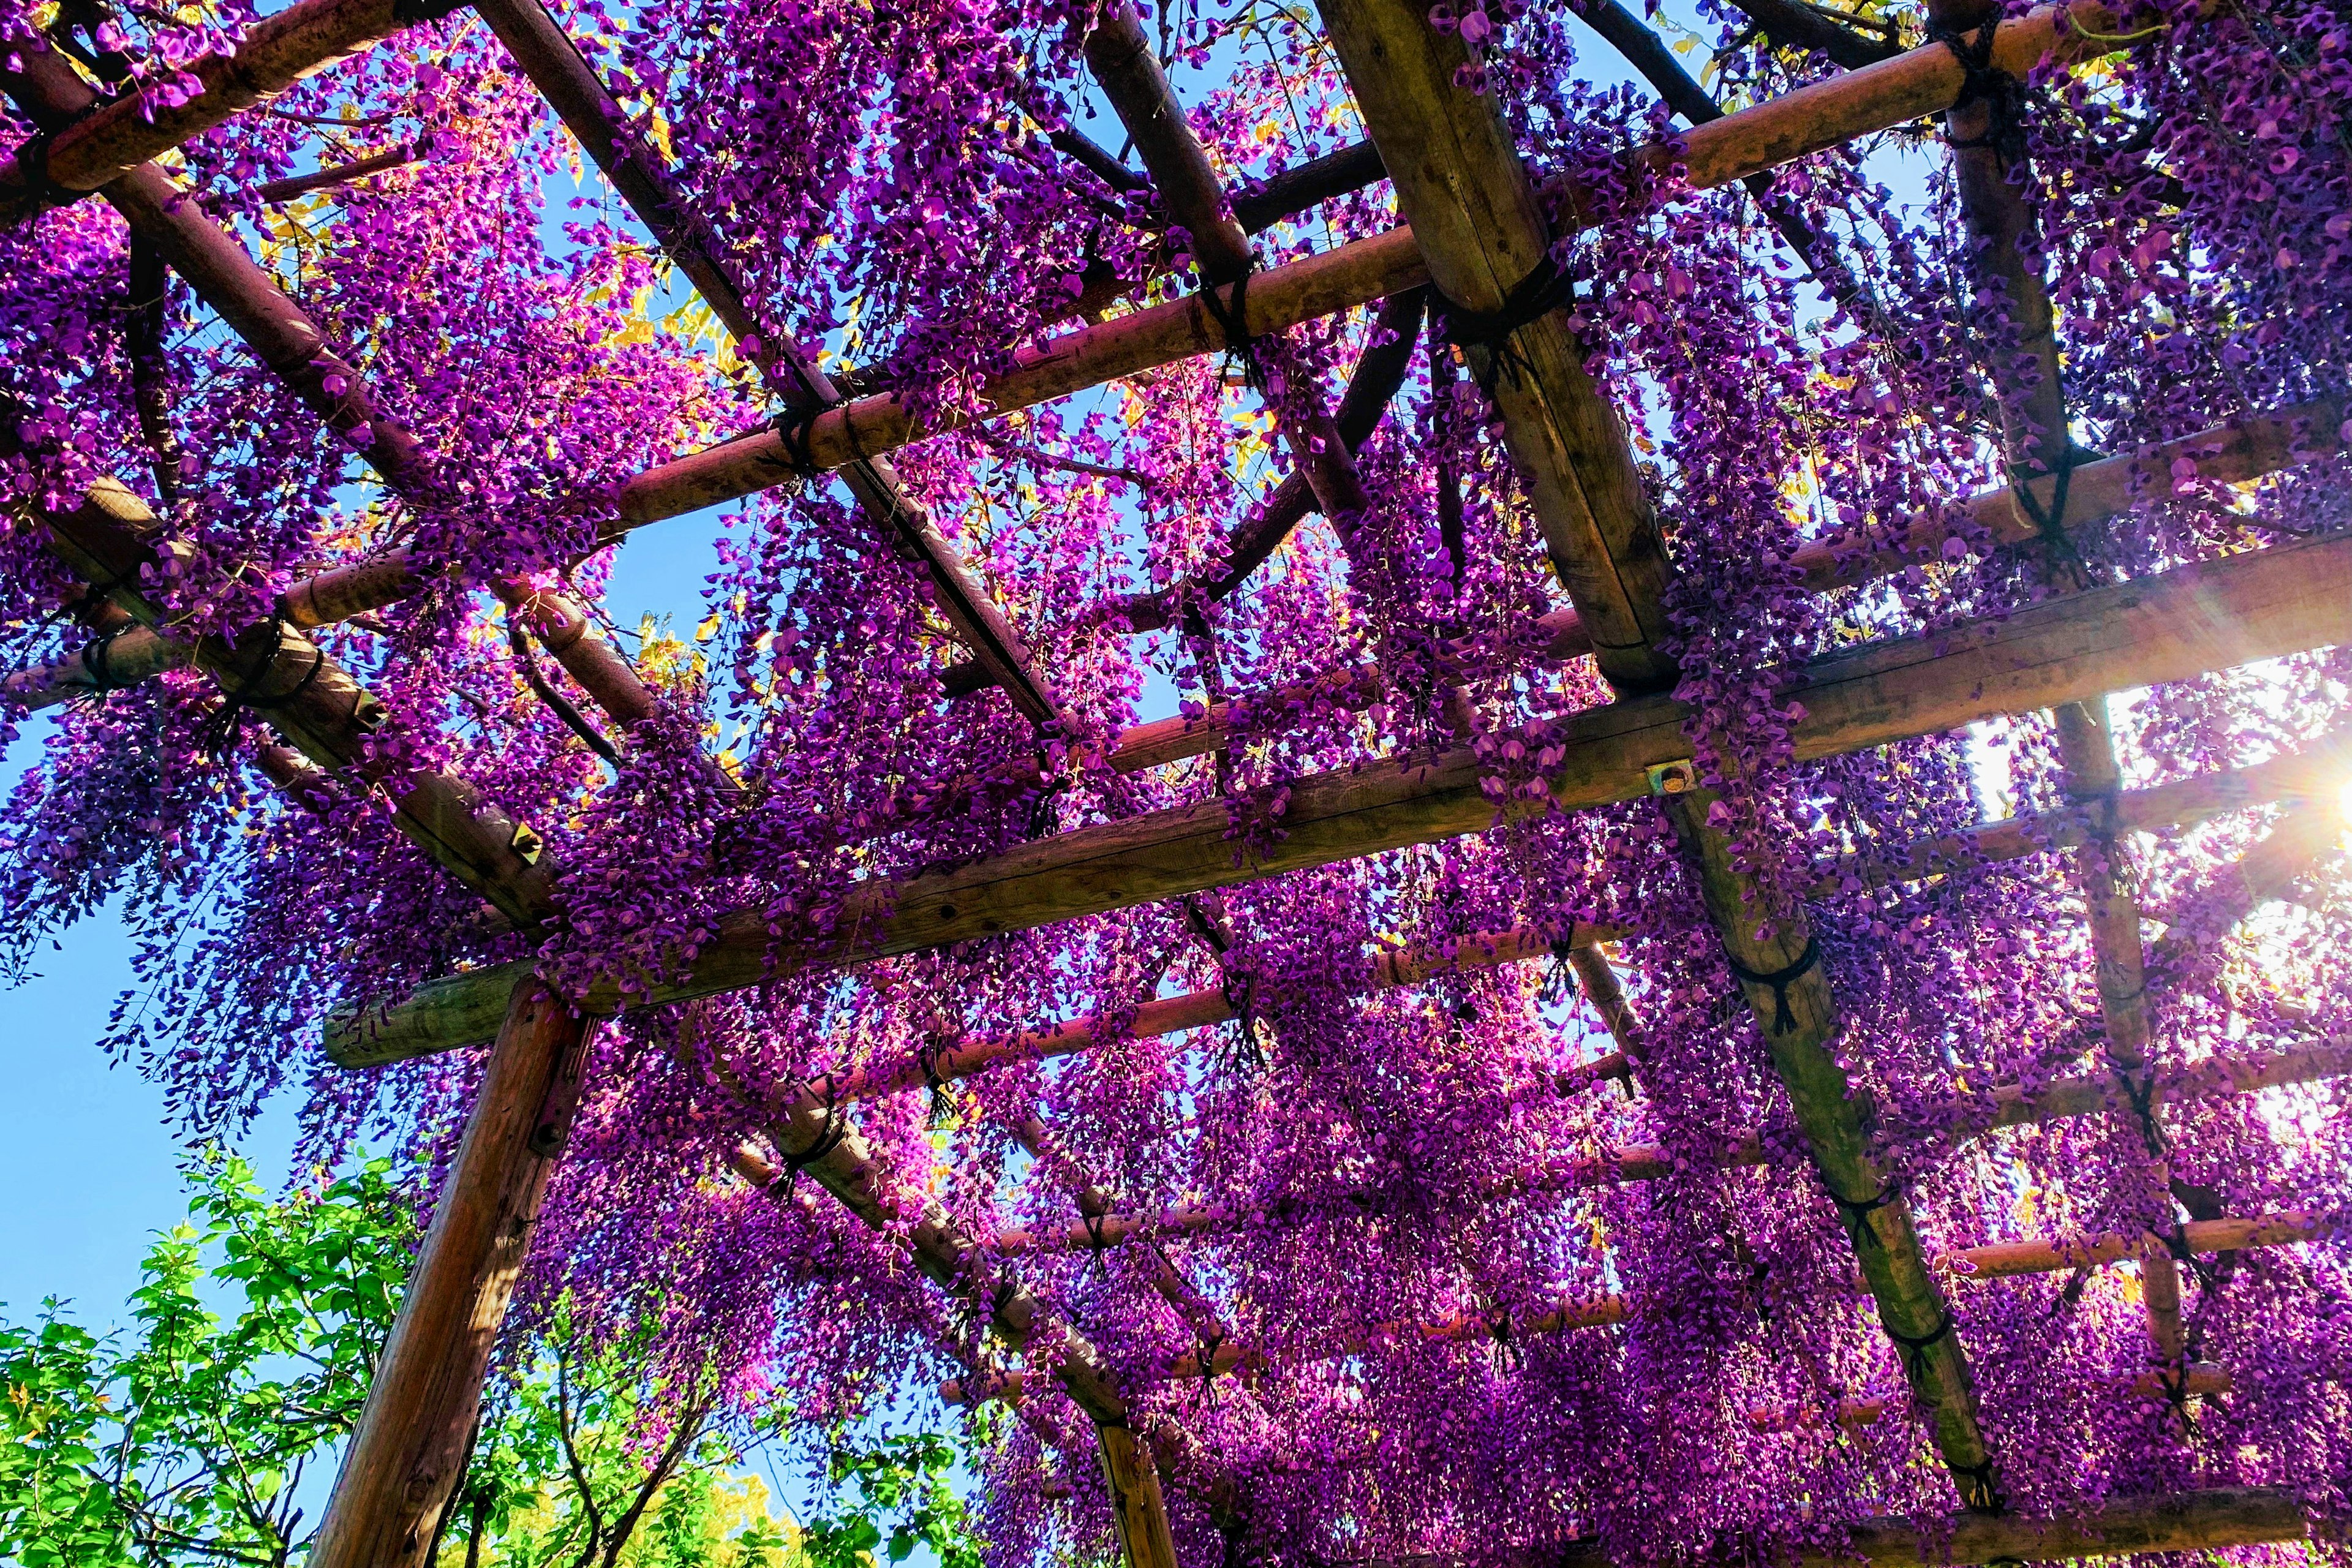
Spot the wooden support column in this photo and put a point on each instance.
(408, 1452)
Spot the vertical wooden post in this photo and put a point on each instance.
(408, 1452)
(1141, 1512)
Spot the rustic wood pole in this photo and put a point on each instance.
(217, 267)
(2095, 1094)
(1120, 57)
(2211, 615)
(2019, 338)
(1475, 214)
(112, 537)
(408, 1451)
(811, 1133)
(2188, 1522)
(276, 52)
(1810, 119)
(573, 89)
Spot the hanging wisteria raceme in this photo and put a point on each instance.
(1441, 1295)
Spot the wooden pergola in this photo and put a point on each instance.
(1474, 227)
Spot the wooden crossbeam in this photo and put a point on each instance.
(1998, 1260)
(811, 1136)
(106, 143)
(2185, 1522)
(217, 267)
(1811, 119)
(571, 87)
(2211, 615)
(112, 537)
(2005, 1106)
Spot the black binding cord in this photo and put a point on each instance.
(795, 427)
(98, 663)
(32, 167)
(831, 1136)
(1915, 1347)
(1859, 1210)
(927, 1056)
(1983, 82)
(1784, 1021)
(1095, 1242)
(1231, 320)
(2050, 522)
(2139, 1090)
(246, 692)
(1543, 290)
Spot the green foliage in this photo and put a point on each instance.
(186, 1437)
(586, 1460)
(903, 1489)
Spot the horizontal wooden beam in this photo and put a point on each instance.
(2185, 1522)
(2295, 776)
(1572, 1314)
(2211, 615)
(1811, 119)
(2010, 1106)
(110, 140)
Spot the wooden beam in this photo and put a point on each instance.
(217, 267)
(1572, 1314)
(2185, 1522)
(2006, 1106)
(105, 142)
(2211, 615)
(112, 537)
(571, 87)
(408, 1452)
(1812, 119)
(811, 1133)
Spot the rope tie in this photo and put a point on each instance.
(1002, 1298)
(1233, 322)
(830, 1136)
(1859, 1210)
(2174, 1380)
(32, 158)
(1210, 1341)
(1784, 1022)
(1498, 1327)
(2050, 523)
(98, 663)
(246, 692)
(1982, 1494)
(1983, 82)
(1913, 1348)
(1095, 1242)
(927, 1056)
(1544, 290)
(795, 427)
(2139, 1090)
